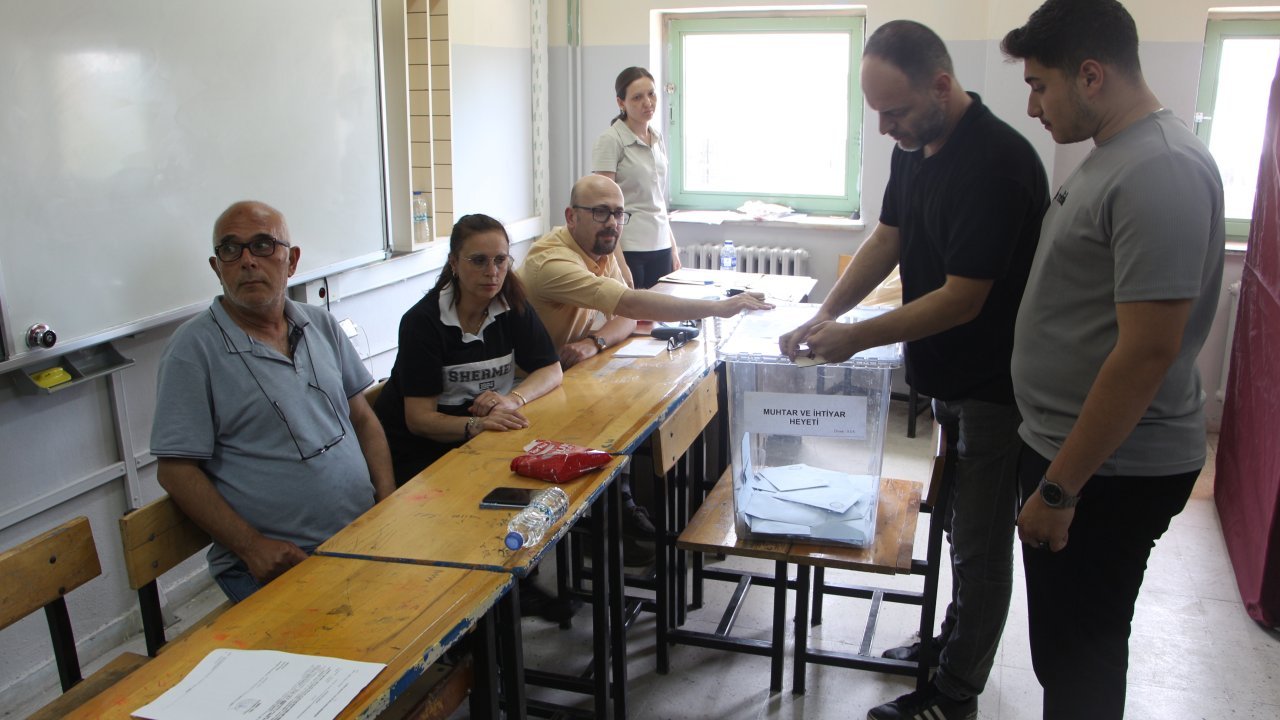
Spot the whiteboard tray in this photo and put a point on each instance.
(82, 365)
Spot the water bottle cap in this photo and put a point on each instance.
(514, 541)
(417, 192)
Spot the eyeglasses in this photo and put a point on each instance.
(324, 448)
(601, 214)
(259, 246)
(297, 336)
(677, 341)
(481, 261)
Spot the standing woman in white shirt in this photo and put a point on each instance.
(633, 154)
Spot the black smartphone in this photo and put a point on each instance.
(507, 497)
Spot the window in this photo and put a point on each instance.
(1231, 110)
(765, 109)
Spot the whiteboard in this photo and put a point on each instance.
(127, 126)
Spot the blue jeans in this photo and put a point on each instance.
(983, 437)
(1080, 600)
(238, 583)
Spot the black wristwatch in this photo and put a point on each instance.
(601, 343)
(1055, 496)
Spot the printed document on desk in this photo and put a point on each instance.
(263, 685)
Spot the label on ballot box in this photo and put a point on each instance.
(807, 441)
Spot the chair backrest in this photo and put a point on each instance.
(156, 537)
(38, 573)
(939, 466)
(372, 392)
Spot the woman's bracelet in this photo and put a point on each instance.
(523, 402)
(470, 429)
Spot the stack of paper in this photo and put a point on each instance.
(806, 501)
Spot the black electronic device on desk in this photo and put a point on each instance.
(508, 497)
(679, 333)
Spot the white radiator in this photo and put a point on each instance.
(763, 260)
(1233, 307)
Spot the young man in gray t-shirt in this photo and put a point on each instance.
(1121, 295)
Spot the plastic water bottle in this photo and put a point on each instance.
(421, 218)
(728, 256)
(530, 524)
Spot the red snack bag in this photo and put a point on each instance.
(557, 462)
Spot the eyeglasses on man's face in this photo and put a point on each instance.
(259, 246)
(601, 214)
(480, 261)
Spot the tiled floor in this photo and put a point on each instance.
(1194, 652)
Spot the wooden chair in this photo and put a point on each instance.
(37, 574)
(712, 531)
(156, 537)
(936, 503)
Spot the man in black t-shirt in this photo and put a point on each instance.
(960, 218)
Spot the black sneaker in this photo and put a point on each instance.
(636, 523)
(926, 704)
(911, 653)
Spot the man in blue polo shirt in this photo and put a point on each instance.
(262, 434)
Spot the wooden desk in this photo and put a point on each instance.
(436, 519)
(403, 615)
(608, 402)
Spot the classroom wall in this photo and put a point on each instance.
(90, 433)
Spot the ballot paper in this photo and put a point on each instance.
(800, 476)
(263, 685)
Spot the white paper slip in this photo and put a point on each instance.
(769, 507)
(832, 498)
(852, 531)
(263, 685)
(773, 527)
(641, 347)
(797, 477)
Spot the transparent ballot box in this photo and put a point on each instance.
(806, 442)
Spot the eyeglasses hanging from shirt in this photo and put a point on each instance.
(296, 336)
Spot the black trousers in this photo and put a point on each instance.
(1080, 600)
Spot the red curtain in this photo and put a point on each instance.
(1247, 486)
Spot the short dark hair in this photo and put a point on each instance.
(1062, 34)
(912, 48)
(468, 225)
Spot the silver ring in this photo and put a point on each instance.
(1042, 545)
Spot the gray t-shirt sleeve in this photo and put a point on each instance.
(1161, 219)
(184, 420)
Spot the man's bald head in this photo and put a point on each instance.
(252, 211)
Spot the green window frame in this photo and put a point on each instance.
(684, 198)
(1216, 34)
